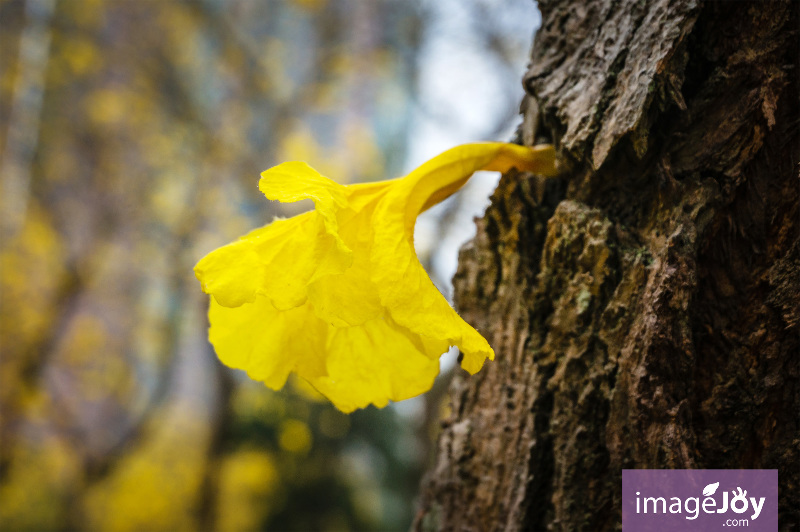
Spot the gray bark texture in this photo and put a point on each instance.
(644, 307)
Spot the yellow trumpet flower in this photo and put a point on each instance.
(337, 294)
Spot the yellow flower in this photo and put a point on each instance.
(337, 295)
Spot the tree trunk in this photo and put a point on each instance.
(643, 307)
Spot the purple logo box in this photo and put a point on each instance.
(689, 500)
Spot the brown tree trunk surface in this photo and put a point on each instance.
(645, 306)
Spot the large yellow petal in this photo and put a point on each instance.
(414, 302)
(374, 363)
(283, 258)
(377, 362)
(350, 298)
(295, 181)
(277, 261)
(404, 286)
(268, 343)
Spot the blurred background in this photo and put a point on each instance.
(132, 135)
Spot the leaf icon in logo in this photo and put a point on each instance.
(710, 489)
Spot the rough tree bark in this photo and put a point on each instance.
(644, 308)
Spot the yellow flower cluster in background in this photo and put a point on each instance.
(337, 295)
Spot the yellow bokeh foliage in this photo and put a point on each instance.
(130, 134)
